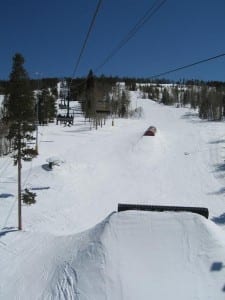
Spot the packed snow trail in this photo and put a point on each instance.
(129, 255)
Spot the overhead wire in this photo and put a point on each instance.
(86, 38)
(146, 17)
(188, 66)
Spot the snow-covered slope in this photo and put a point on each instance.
(130, 255)
(61, 252)
(153, 256)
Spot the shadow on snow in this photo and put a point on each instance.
(7, 230)
(6, 195)
(220, 219)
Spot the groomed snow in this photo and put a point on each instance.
(61, 254)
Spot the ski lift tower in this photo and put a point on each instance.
(64, 95)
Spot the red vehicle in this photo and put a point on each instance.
(151, 131)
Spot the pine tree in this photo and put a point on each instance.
(46, 106)
(124, 102)
(20, 117)
(166, 97)
(90, 107)
(223, 105)
(204, 104)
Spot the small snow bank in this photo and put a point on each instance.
(130, 255)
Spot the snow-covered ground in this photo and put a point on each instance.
(63, 254)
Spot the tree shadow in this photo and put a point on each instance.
(6, 195)
(216, 142)
(219, 192)
(46, 167)
(7, 230)
(216, 267)
(81, 130)
(219, 170)
(189, 115)
(40, 188)
(192, 117)
(80, 123)
(220, 219)
(219, 167)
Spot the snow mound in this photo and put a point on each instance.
(150, 255)
(130, 255)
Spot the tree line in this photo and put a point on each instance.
(206, 97)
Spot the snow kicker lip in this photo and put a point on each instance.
(203, 211)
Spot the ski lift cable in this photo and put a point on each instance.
(148, 14)
(146, 17)
(188, 66)
(86, 39)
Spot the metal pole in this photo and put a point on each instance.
(19, 196)
(36, 148)
(19, 182)
(37, 112)
(67, 96)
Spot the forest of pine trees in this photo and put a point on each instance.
(207, 98)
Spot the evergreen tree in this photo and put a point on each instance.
(124, 102)
(223, 105)
(20, 117)
(156, 93)
(185, 98)
(46, 106)
(90, 100)
(175, 94)
(204, 104)
(28, 197)
(195, 97)
(166, 97)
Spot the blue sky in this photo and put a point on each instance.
(50, 34)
